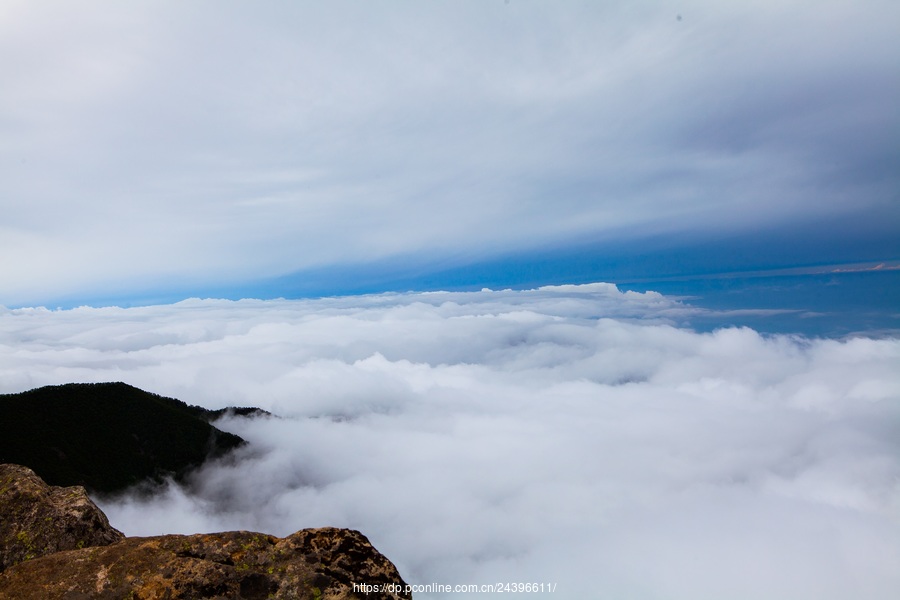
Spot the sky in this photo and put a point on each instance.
(576, 435)
(155, 151)
(390, 223)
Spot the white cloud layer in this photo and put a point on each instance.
(569, 434)
(145, 144)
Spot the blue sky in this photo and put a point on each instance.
(156, 151)
(153, 151)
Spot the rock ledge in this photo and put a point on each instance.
(75, 555)
(37, 519)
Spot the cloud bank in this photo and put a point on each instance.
(569, 434)
(160, 144)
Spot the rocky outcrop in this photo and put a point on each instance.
(57, 544)
(37, 519)
(314, 564)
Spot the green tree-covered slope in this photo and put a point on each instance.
(106, 436)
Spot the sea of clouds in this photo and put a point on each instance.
(575, 435)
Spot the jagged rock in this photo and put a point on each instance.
(314, 564)
(57, 545)
(37, 519)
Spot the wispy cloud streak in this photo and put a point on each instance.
(155, 144)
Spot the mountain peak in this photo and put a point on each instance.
(108, 436)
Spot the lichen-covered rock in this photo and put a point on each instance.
(37, 519)
(56, 544)
(314, 564)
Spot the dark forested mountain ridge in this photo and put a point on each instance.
(108, 436)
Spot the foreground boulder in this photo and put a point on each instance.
(55, 544)
(314, 564)
(37, 519)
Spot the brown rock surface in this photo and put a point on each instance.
(37, 519)
(57, 545)
(320, 564)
